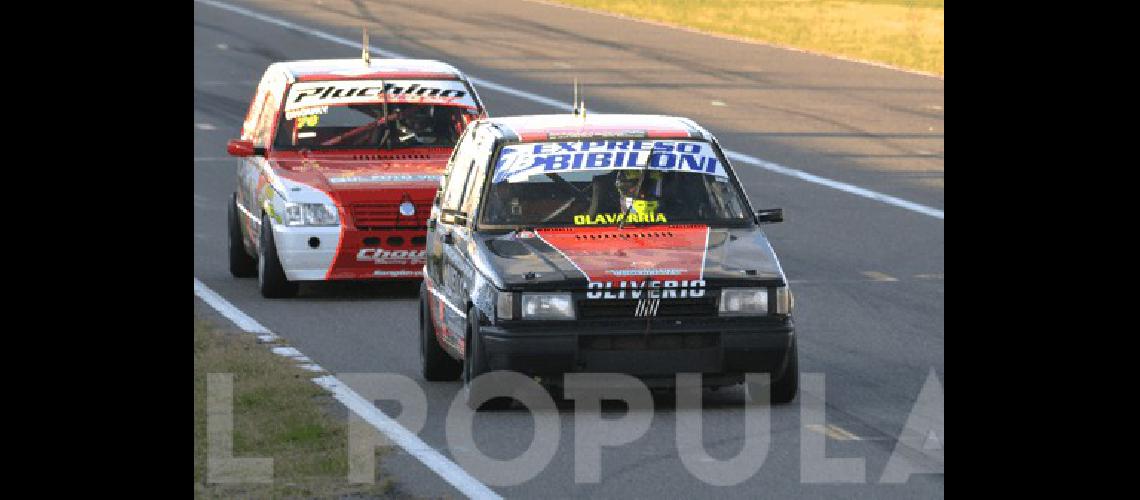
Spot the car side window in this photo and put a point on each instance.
(265, 122)
(253, 116)
(453, 195)
(483, 150)
(457, 177)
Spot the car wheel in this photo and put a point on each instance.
(270, 276)
(242, 265)
(436, 364)
(785, 386)
(475, 364)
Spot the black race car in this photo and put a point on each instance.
(607, 243)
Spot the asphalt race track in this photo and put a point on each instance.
(868, 276)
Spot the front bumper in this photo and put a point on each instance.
(721, 348)
(318, 253)
(299, 259)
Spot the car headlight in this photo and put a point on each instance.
(743, 301)
(310, 214)
(754, 301)
(547, 306)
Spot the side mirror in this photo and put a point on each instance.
(239, 147)
(770, 215)
(431, 224)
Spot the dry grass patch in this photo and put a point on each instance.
(279, 413)
(903, 33)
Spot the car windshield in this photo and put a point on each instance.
(357, 115)
(594, 182)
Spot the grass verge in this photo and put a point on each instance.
(278, 413)
(903, 33)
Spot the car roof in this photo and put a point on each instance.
(357, 69)
(568, 126)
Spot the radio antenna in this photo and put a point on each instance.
(575, 102)
(364, 52)
(582, 104)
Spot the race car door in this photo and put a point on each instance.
(453, 235)
(258, 127)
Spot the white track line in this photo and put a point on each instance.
(842, 186)
(481, 83)
(446, 469)
(241, 319)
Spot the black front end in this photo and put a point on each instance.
(647, 339)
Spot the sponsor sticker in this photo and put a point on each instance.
(518, 163)
(397, 273)
(305, 96)
(306, 111)
(578, 135)
(385, 178)
(308, 121)
(384, 256)
(587, 220)
(646, 289)
(645, 272)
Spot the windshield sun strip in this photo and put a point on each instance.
(475, 112)
(734, 181)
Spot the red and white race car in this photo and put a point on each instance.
(340, 162)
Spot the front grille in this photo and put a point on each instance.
(650, 342)
(627, 308)
(386, 216)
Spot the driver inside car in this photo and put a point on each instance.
(621, 192)
(416, 125)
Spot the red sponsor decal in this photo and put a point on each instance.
(633, 254)
(587, 130)
(355, 260)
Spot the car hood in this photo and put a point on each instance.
(359, 177)
(577, 258)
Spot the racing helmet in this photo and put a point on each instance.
(417, 124)
(627, 180)
(648, 199)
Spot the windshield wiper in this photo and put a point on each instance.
(637, 193)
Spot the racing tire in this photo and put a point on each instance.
(475, 364)
(784, 387)
(435, 363)
(270, 276)
(242, 265)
